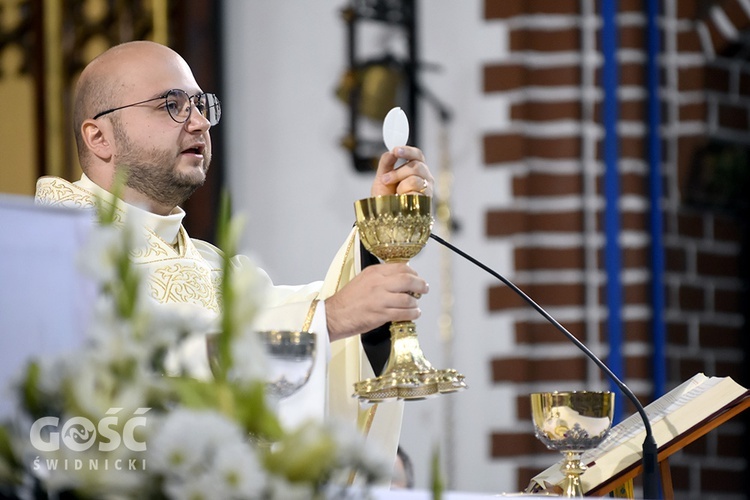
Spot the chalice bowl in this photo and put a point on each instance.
(290, 355)
(571, 423)
(395, 228)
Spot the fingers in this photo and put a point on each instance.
(379, 294)
(413, 177)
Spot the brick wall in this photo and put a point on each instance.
(553, 148)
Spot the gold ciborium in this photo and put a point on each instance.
(571, 423)
(395, 228)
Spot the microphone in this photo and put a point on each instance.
(650, 451)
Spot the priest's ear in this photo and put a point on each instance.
(97, 137)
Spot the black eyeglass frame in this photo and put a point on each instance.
(216, 106)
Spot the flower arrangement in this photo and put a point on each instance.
(120, 419)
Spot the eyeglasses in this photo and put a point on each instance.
(179, 105)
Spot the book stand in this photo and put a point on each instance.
(621, 484)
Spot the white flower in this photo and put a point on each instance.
(100, 252)
(238, 472)
(250, 361)
(249, 287)
(193, 487)
(186, 439)
(281, 489)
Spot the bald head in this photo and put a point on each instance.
(114, 74)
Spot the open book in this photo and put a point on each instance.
(692, 403)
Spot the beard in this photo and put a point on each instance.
(153, 172)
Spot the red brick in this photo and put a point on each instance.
(633, 6)
(512, 445)
(632, 37)
(717, 78)
(542, 111)
(545, 333)
(565, 294)
(692, 298)
(718, 41)
(633, 183)
(719, 337)
(637, 331)
(545, 40)
(736, 14)
(555, 148)
(688, 41)
(635, 258)
(675, 259)
(503, 148)
(733, 117)
(687, 367)
(732, 369)
(715, 264)
(698, 448)
(508, 222)
(722, 480)
(633, 110)
(727, 301)
(690, 225)
(503, 77)
(688, 9)
(687, 146)
(744, 84)
(524, 476)
(502, 9)
(633, 74)
(541, 184)
(726, 229)
(541, 370)
(695, 111)
(729, 445)
(691, 78)
(680, 478)
(529, 258)
(629, 147)
(677, 334)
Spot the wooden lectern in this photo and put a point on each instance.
(621, 484)
(686, 413)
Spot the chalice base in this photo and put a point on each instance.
(408, 375)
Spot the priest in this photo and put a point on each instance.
(138, 108)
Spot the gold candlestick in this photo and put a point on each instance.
(395, 228)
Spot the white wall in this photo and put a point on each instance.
(296, 185)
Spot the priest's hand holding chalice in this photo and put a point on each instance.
(395, 228)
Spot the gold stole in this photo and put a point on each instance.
(380, 423)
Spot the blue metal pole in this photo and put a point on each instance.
(612, 257)
(655, 190)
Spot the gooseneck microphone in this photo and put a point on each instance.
(650, 479)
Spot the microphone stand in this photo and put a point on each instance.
(650, 450)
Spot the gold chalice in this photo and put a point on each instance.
(395, 228)
(571, 423)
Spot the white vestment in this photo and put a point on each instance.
(187, 271)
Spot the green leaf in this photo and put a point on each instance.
(438, 485)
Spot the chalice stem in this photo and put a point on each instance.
(406, 356)
(572, 468)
